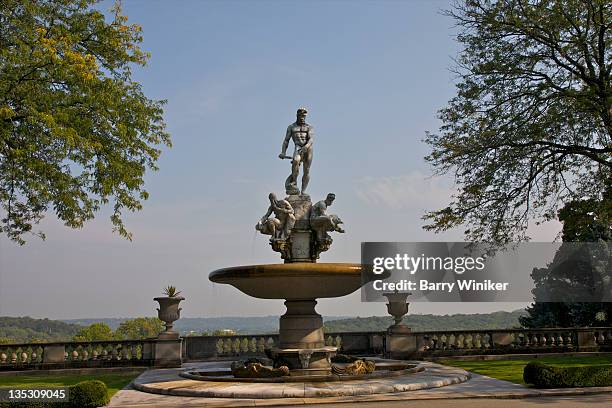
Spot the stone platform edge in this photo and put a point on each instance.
(374, 387)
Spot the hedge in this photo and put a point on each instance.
(546, 376)
(86, 394)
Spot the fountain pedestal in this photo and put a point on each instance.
(302, 341)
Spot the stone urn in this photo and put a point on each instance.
(398, 308)
(169, 312)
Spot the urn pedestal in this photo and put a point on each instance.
(400, 341)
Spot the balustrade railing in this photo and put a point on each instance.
(465, 342)
(210, 347)
(76, 354)
(194, 348)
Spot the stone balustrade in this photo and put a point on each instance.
(211, 347)
(465, 342)
(76, 354)
(430, 344)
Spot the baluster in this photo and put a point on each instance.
(219, 346)
(270, 342)
(253, 345)
(560, 340)
(601, 340)
(236, 346)
(486, 340)
(443, 341)
(459, 341)
(14, 358)
(338, 341)
(329, 341)
(261, 345)
(436, 342)
(3, 358)
(244, 345)
(114, 353)
(469, 341)
(527, 340)
(125, 353)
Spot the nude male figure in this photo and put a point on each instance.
(302, 135)
(282, 223)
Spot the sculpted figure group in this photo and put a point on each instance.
(279, 221)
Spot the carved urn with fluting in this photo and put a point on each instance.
(169, 312)
(398, 308)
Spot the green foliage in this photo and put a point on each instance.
(171, 291)
(76, 132)
(429, 322)
(547, 376)
(139, 328)
(589, 271)
(513, 370)
(530, 127)
(85, 394)
(89, 394)
(223, 332)
(95, 332)
(114, 381)
(27, 330)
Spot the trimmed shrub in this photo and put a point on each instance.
(89, 394)
(86, 394)
(546, 376)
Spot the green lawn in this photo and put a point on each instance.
(114, 381)
(512, 370)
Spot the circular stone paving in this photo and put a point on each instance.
(169, 382)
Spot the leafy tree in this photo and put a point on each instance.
(76, 132)
(530, 128)
(139, 328)
(574, 273)
(95, 332)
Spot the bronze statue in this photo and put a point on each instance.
(321, 222)
(279, 226)
(302, 135)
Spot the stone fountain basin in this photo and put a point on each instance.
(292, 281)
(384, 369)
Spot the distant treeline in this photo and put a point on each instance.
(27, 329)
(430, 322)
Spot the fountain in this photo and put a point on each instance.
(299, 231)
(300, 365)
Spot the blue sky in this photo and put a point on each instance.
(372, 73)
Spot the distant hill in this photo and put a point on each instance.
(196, 325)
(246, 325)
(429, 322)
(26, 330)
